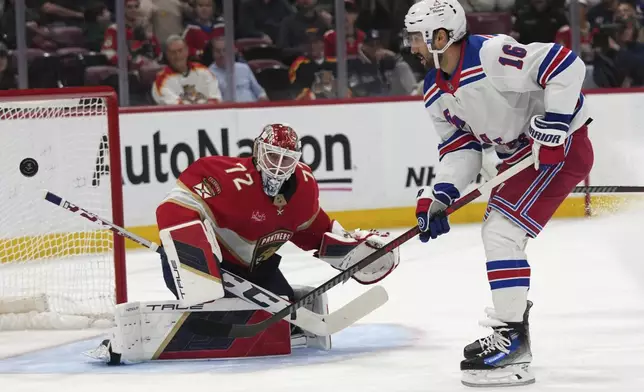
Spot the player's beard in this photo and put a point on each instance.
(271, 185)
(427, 62)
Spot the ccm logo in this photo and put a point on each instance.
(545, 137)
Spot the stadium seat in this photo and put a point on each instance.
(71, 51)
(244, 43)
(95, 58)
(262, 52)
(148, 74)
(43, 70)
(33, 53)
(72, 66)
(95, 75)
(273, 76)
(489, 22)
(260, 64)
(67, 36)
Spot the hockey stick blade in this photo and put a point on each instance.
(249, 330)
(305, 318)
(608, 189)
(333, 322)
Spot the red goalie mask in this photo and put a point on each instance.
(277, 150)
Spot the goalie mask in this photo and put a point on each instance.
(277, 151)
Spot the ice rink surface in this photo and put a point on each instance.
(587, 323)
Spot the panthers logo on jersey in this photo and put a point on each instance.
(268, 245)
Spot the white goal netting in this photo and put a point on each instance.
(56, 268)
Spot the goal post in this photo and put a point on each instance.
(56, 269)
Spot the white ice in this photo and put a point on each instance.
(587, 324)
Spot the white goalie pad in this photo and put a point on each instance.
(161, 330)
(144, 329)
(342, 249)
(320, 306)
(194, 257)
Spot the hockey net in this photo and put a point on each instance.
(57, 270)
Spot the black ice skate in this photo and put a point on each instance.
(478, 346)
(504, 362)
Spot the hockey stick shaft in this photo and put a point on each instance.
(608, 189)
(244, 289)
(253, 329)
(59, 201)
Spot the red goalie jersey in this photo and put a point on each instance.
(250, 226)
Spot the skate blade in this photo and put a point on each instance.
(507, 376)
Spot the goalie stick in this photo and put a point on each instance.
(240, 331)
(322, 325)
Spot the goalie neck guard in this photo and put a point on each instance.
(276, 152)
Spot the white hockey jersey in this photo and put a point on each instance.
(497, 87)
(198, 85)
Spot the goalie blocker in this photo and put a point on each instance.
(194, 257)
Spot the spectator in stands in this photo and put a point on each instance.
(539, 22)
(181, 81)
(564, 35)
(314, 74)
(262, 18)
(602, 13)
(247, 89)
(619, 58)
(303, 70)
(203, 29)
(62, 12)
(323, 87)
(626, 10)
(355, 36)
(97, 20)
(295, 27)
(630, 54)
(165, 17)
(487, 5)
(392, 70)
(7, 74)
(386, 16)
(143, 45)
(37, 35)
(188, 9)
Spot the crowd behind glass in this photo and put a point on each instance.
(286, 49)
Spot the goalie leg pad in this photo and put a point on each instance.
(320, 306)
(161, 330)
(193, 256)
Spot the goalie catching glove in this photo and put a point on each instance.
(342, 249)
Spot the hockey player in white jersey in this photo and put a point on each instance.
(520, 99)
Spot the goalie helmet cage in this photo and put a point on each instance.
(57, 271)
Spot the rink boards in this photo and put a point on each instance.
(369, 156)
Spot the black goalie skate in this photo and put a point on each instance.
(478, 346)
(504, 362)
